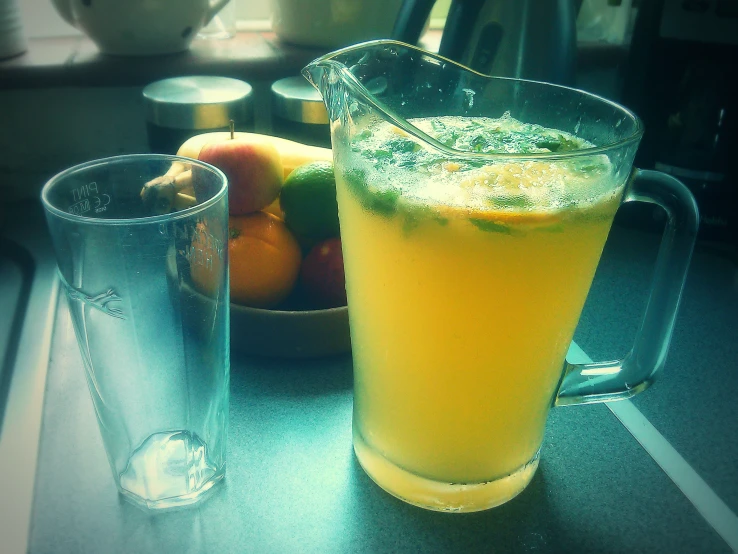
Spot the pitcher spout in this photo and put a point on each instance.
(316, 72)
(390, 81)
(346, 80)
(373, 81)
(324, 75)
(341, 77)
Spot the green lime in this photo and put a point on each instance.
(308, 201)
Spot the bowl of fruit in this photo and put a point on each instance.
(287, 286)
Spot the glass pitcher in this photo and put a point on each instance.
(473, 214)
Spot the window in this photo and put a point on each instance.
(40, 18)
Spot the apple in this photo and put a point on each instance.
(254, 171)
(321, 275)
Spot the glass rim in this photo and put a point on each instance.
(86, 220)
(390, 115)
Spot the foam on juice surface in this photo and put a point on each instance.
(398, 173)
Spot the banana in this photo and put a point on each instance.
(294, 154)
(182, 201)
(174, 190)
(160, 195)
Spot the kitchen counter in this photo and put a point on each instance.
(293, 484)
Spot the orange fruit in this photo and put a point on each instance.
(264, 259)
(205, 255)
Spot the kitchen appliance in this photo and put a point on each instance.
(681, 79)
(529, 39)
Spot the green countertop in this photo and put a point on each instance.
(293, 484)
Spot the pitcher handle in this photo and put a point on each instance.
(213, 9)
(620, 379)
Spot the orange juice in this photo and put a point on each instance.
(465, 285)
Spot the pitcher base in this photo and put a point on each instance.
(437, 495)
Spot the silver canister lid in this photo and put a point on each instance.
(198, 102)
(295, 99)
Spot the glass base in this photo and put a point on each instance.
(169, 469)
(437, 495)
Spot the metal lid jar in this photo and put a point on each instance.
(298, 112)
(181, 107)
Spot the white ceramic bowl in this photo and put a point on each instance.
(139, 27)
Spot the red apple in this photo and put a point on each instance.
(254, 171)
(321, 274)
